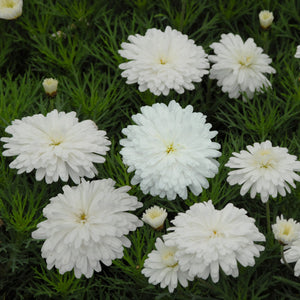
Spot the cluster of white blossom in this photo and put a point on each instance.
(171, 151)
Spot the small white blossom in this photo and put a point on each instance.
(155, 216)
(207, 239)
(266, 19)
(292, 254)
(161, 61)
(87, 225)
(56, 146)
(239, 67)
(286, 231)
(297, 54)
(264, 169)
(50, 86)
(162, 268)
(10, 9)
(170, 150)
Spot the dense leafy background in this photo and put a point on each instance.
(86, 63)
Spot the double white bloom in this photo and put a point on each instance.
(56, 146)
(170, 150)
(264, 169)
(239, 67)
(87, 225)
(161, 61)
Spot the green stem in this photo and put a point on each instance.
(268, 217)
(183, 5)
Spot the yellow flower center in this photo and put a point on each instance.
(82, 218)
(8, 4)
(287, 229)
(154, 214)
(55, 143)
(168, 258)
(215, 234)
(170, 148)
(245, 61)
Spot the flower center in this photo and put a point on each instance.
(82, 218)
(170, 148)
(8, 4)
(162, 61)
(169, 260)
(265, 159)
(215, 234)
(245, 61)
(154, 214)
(55, 143)
(287, 229)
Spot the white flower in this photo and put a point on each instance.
(263, 169)
(58, 35)
(292, 254)
(286, 231)
(297, 54)
(50, 86)
(155, 216)
(56, 145)
(162, 267)
(160, 61)
(239, 67)
(10, 9)
(207, 239)
(87, 225)
(265, 19)
(170, 149)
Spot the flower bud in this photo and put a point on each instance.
(50, 86)
(10, 9)
(155, 216)
(265, 19)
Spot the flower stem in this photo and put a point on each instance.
(183, 5)
(268, 217)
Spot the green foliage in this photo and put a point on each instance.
(84, 58)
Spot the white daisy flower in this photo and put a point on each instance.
(286, 231)
(155, 216)
(56, 145)
(161, 61)
(10, 9)
(50, 86)
(239, 67)
(87, 225)
(297, 54)
(266, 19)
(207, 239)
(162, 268)
(292, 254)
(263, 169)
(170, 149)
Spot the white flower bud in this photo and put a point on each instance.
(10, 9)
(50, 86)
(286, 231)
(265, 19)
(155, 216)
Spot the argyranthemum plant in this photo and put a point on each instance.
(10, 9)
(264, 169)
(170, 150)
(162, 267)
(286, 231)
(56, 146)
(239, 67)
(87, 225)
(161, 61)
(208, 239)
